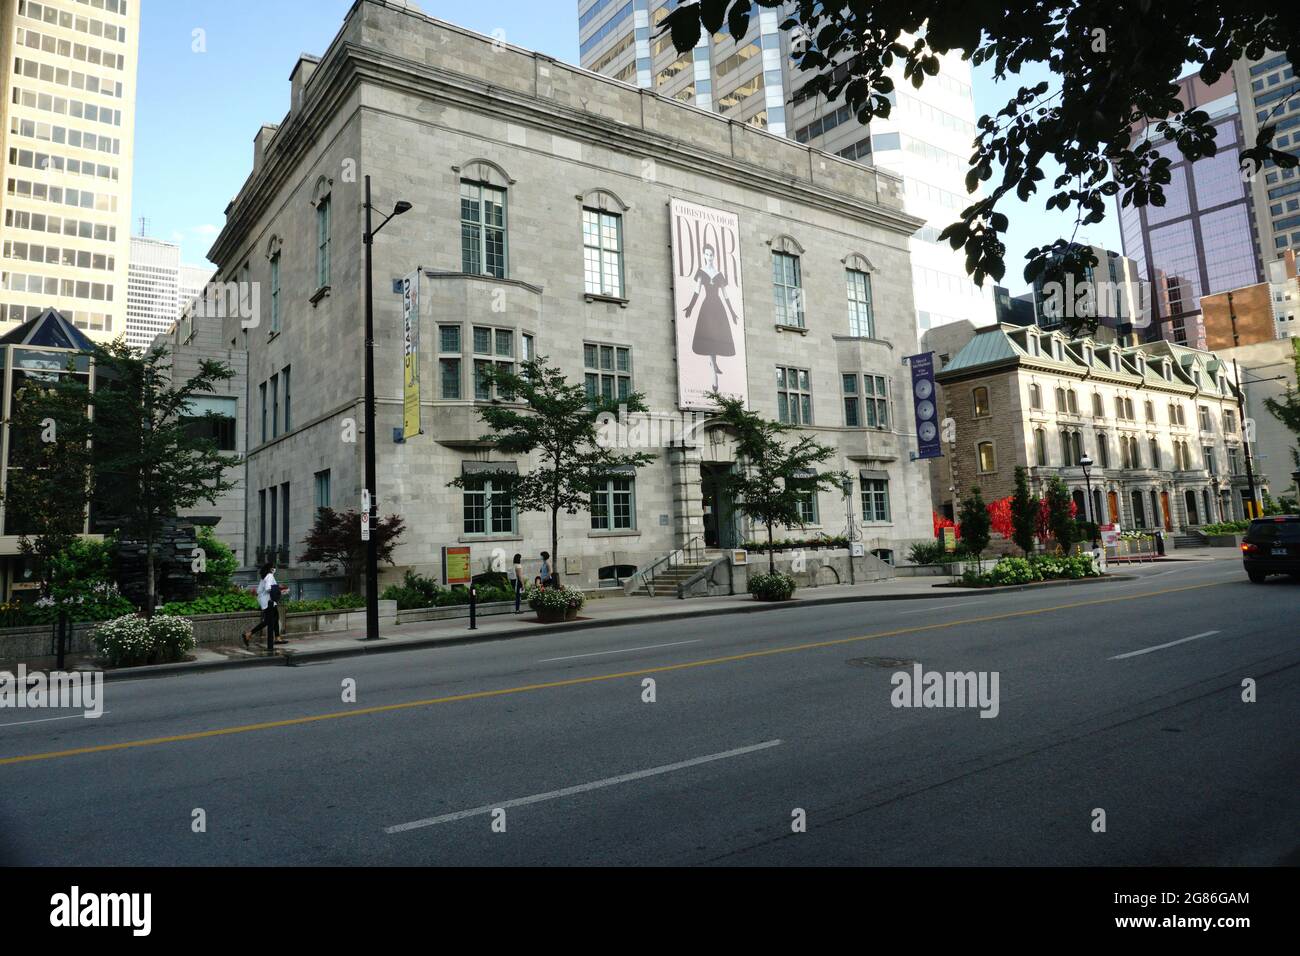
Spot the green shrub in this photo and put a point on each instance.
(225, 602)
(1038, 567)
(927, 552)
(414, 591)
(220, 563)
(173, 637)
(338, 602)
(1226, 527)
(772, 587)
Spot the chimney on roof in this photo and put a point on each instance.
(260, 142)
(302, 72)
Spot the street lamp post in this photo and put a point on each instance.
(372, 543)
(1086, 463)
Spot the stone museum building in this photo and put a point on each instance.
(540, 226)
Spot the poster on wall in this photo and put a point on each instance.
(411, 356)
(708, 299)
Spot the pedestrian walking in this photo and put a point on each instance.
(519, 579)
(268, 600)
(545, 572)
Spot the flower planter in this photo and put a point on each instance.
(554, 615)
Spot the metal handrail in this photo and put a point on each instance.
(693, 548)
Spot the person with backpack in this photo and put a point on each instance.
(268, 600)
(545, 572)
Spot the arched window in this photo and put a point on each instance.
(1035, 397)
(1060, 399)
(323, 200)
(1074, 402)
(1155, 453)
(980, 401)
(1139, 510)
(987, 460)
(1080, 504)
(1189, 499)
(1097, 410)
(1077, 441)
(1040, 446)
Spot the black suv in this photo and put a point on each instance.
(1272, 546)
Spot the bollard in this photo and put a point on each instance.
(62, 628)
(473, 608)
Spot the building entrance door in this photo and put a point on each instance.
(1164, 509)
(719, 510)
(1112, 505)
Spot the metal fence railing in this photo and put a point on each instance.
(1134, 548)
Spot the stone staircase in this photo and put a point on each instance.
(1182, 541)
(666, 581)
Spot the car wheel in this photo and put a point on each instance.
(1256, 577)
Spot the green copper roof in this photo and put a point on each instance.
(986, 348)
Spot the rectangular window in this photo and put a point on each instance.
(1234, 460)
(322, 482)
(449, 361)
(488, 508)
(607, 371)
(852, 403)
(275, 406)
(613, 505)
(323, 232)
(482, 230)
(1204, 415)
(808, 508)
(288, 399)
(862, 321)
(284, 518)
(876, 398)
(261, 390)
(1229, 422)
(491, 346)
(1210, 465)
(212, 418)
(787, 289)
(602, 248)
(261, 519)
(275, 524)
(875, 499)
(793, 395)
(275, 292)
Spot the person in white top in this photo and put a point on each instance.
(268, 599)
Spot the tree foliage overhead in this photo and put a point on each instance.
(1116, 63)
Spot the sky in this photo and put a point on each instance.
(213, 71)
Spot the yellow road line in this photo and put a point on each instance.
(575, 681)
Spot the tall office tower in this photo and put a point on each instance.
(927, 138)
(1111, 292)
(1269, 93)
(1202, 240)
(152, 291)
(68, 70)
(159, 289)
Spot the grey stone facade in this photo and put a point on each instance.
(422, 106)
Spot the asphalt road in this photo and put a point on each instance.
(545, 750)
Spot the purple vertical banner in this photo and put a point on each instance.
(926, 404)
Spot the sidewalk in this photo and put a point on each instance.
(606, 612)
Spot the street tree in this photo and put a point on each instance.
(150, 462)
(1113, 96)
(334, 541)
(976, 524)
(1024, 512)
(777, 472)
(542, 415)
(1060, 514)
(50, 478)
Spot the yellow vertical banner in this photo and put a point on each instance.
(411, 357)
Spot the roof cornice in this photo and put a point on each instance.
(348, 65)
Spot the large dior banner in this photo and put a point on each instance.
(710, 311)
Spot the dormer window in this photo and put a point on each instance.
(1087, 355)
(1058, 350)
(1031, 344)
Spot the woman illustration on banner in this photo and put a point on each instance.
(712, 331)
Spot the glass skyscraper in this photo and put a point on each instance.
(927, 139)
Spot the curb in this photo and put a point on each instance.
(293, 657)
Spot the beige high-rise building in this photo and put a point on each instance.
(159, 289)
(68, 69)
